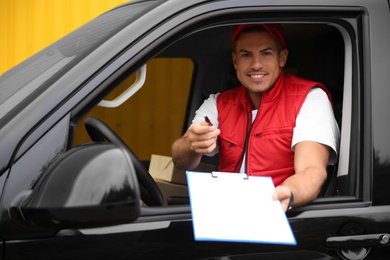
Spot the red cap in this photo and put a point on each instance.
(275, 30)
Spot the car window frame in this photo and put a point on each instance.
(196, 19)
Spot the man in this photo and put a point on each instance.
(275, 124)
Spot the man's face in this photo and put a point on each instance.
(258, 61)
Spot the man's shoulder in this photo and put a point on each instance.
(298, 84)
(233, 92)
(232, 96)
(295, 80)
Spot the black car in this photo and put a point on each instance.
(76, 142)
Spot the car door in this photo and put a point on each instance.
(344, 214)
(332, 47)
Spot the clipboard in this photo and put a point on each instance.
(235, 207)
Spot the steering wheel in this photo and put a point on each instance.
(98, 131)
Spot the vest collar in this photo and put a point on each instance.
(273, 93)
(268, 96)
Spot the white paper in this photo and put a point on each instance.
(237, 208)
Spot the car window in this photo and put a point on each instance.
(175, 87)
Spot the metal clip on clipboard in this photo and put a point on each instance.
(215, 174)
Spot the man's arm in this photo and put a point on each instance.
(188, 150)
(310, 162)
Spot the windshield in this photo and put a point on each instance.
(25, 81)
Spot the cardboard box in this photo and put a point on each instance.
(162, 168)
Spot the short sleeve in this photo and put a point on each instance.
(316, 122)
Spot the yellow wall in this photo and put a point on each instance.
(28, 26)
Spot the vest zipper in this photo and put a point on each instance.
(245, 151)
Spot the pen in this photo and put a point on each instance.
(206, 118)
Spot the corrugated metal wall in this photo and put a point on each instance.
(28, 26)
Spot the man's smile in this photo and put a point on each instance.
(256, 76)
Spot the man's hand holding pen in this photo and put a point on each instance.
(202, 137)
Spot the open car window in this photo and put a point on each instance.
(186, 71)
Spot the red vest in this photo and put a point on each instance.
(267, 141)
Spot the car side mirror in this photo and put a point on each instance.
(92, 185)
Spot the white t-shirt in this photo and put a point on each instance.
(315, 121)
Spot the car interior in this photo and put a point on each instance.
(181, 76)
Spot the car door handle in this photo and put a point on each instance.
(371, 240)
